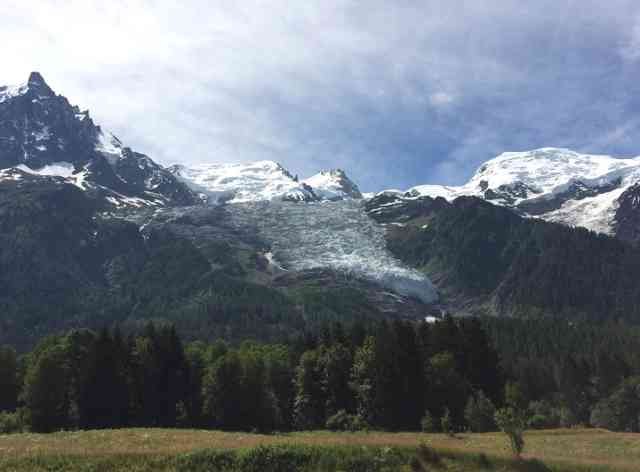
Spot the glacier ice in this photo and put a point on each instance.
(336, 235)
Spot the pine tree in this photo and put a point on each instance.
(336, 369)
(363, 381)
(309, 403)
(46, 390)
(222, 389)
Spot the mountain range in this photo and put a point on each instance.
(94, 233)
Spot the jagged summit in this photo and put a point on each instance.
(37, 84)
(36, 78)
(44, 136)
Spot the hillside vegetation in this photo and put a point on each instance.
(509, 265)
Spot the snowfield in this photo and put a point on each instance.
(263, 181)
(521, 178)
(237, 183)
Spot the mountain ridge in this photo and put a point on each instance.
(94, 233)
(554, 184)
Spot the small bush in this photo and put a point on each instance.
(427, 455)
(207, 461)
(427, 423)
(482, 461)
(342, 421)
(531, 465)
(479, 413)
(275, 459)
(416, 465)
(10, 422)
(359, 459)
(543, 415)
(445, 422)
(539, 422)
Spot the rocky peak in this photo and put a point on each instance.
(42, 132)
(37, 85)
(333, 184)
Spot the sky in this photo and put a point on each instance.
(396, 93)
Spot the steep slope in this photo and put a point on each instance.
(333, 185)
(208, 269)
(254, 262)
(42, 134)
(62, 266)
(555, 185)
(484, 258)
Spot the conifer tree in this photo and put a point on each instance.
(46, 392)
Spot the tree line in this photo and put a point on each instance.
(449, 376)
(390, 375)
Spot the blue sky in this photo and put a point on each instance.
(396, 93)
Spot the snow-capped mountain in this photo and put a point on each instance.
(263, 181)
(333, 185)
(597, 192)
(43, 136)
(256, 181)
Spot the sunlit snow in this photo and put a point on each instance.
(58, 169)
(549, 172)
(261, 180)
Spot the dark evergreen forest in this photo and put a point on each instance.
(449, 375)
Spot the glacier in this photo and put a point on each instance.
(337, 235)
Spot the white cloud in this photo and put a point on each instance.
(333, 83)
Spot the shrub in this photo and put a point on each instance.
(479, 413)
(543, 415)
(427, 423)
(10, 422)
(343, 421)
(275, 459)
(427, 455)
(207, 461)
(482, 461)
(567, 418)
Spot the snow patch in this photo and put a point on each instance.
(57, 169)
(10, 91)
(110, 146)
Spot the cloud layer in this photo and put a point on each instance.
(398, 93)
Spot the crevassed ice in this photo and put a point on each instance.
(336, 235)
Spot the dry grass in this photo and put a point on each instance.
(580, 447)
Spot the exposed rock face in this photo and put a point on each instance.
(42, 132)
(627, 216)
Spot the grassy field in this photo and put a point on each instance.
(161, 449)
